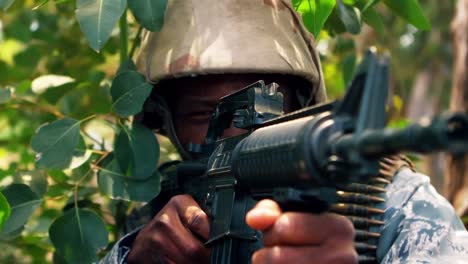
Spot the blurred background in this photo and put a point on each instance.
(48, 71)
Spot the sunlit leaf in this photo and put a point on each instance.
(137, 151)
(57, 175)
(314, 13)
(78, 235)
(410, 11)
(399, 123)
(55, 143)
(149, 13)
(97, 18)
(42, 83)
(114, 183)
(5, 210)
(5, 95)
(397, 103)
(350, 16)
(129, 91)
(41, 4)
(369, 4)
(5, 4)
(23, 201)
(80, 155)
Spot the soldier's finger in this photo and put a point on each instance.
(283, 254)
(308, 229)
(263, 215)
(192, 216)
(178, 242)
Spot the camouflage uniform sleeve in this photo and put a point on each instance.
(420, 225)
(119, 252)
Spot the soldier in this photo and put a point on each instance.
(208, 49)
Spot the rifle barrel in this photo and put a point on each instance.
(447, 132)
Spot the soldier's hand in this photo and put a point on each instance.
(174, 235)
(292, 237)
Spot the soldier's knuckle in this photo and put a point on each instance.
(158, 240)
(197, 219)
(284, 226)
(343, 227)
(178, 199)
(163, 224)
(194, 250)
(349, 256)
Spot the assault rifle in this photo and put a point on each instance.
(298, 159)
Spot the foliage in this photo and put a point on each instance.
(349, 15)
(72, 161)
(78, 229)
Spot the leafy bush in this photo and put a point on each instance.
(74, 162)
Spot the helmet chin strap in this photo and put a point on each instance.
(163, 110)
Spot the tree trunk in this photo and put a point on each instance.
(456, 188)
(423, 102)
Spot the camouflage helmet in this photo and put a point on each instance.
(205, 37)
(231, 36)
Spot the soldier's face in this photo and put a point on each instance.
(192, 101)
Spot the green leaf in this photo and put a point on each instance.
(349, 65)
(350, 16)
(399, 123)
(41, 4)
(371, 17)
(23, 202)
(333, 24)
(344, 45)
(137, 151)
(410, 11)
(54, 94)
(149, 13)
(114, 183)
(97, 18)
(77, 236)
(85, 99)
(5, 210)
(314, 13)
(129, 91)
(58, 175)
(35, 179)
(5, 95)
(126, 66)
(12, 235)
(80, 155)
(5, 4)
(55, 143)
(369, 4)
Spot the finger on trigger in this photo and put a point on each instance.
(294, 228)
(263, 215)
(192, 216)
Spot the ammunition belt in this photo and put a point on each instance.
(363, 204)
